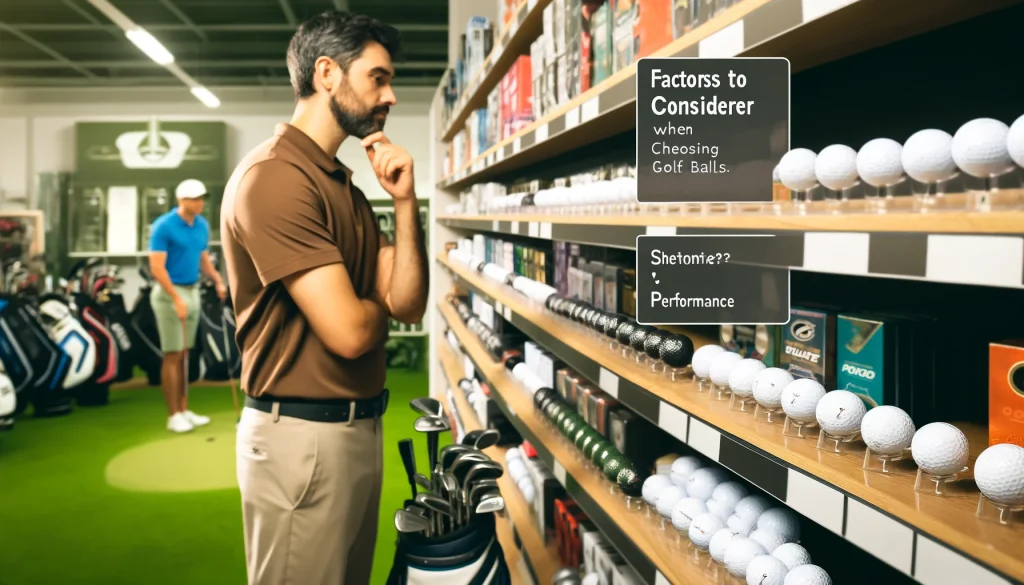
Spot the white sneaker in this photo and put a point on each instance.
(197, 420)
(179, 423)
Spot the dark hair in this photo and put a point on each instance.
(342, 36)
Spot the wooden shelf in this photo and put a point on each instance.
(780, 28)
(600, 503)
(526, 26)
(542, 558)
(761, 454)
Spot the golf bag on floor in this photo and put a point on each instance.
(111, 303)
(217, 337)
(471, 555)
(33, 362)
(8, 401)
(71, 336)
(97, 391)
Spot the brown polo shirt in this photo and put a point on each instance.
(290, 207)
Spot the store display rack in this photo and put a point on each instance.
(542, 560)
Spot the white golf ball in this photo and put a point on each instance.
(739, 553)
(792, 554)
(775, 175)
(683, 467)
(742, 376)
(517, 469)
(769, 539)
(751, 507)
(668, 498)
(529, 492)
(796, 169)
(591, 579)
(1015, 141)
(720, 543)
(800, 399)
(685, 511)
(940, 449)
(702, 358)
(741, 525)
(702, 528)
(653, 486)
(722, 366)
(766, 570)
(836, 167)
(781, 521)
(730, 492)
(839, 413)
(999, 472)
(768, 387)
(980, 147)
(513, 453)
(887, 430)
(721, 509)
(807, 575)
(702, 483)
(880, 162)
(928, 156)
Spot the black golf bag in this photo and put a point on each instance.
(112, 305)
(146, 339)
(96, 392)
(35, 365)
(220, 357)
(8, 401)
(471, 555)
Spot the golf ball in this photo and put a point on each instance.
(741, 525)
(683, 467)
(720, 543)
(769, 539)
(928, 156)
(591, 579)
(702, 528)
(702, 483)
(516, 468)
(792, 554)
(781, 521)
(940, 449)
(796, 169)
(742, 376)
(730, 493)
(653, 486)
(839, 413)
(721, 509)
(999, 472)
(702, 360)
(722, 366)
(807, 575)
(768, 386)
(887, 430)
(529, 492)
(836, 167)
(766, 570)
(751, 507)
(800, 399)
(879, 162)
(739, 553)
(980, 147)
(685, 511)
(775, 175)
(1015, 141)
(668, 498)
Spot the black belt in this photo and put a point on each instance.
(322, 410)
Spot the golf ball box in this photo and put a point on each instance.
(760, 342)
(1006, 392)
(653, 28)
(866, 354)
(624, 16)
(808, 346)
(601, 44)
(548, 490)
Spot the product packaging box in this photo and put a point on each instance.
(760, 342)
(560, 36)
(589, 9)
(866, 359)
(623, 37)
(494, 117)
(1006, 392)
(627, 294)
(537, 72)
(479, 35)
(612, 279)
(688, 15)
(809, 345)
(602, 63)
(597, 270)
(653, 28)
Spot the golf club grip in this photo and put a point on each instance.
(405, 449)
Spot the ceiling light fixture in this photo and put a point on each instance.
(206, 96)
(148, 44)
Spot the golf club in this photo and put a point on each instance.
(422, 481)
(480, 471)
(487, 439)
(432, 426)
(437, 505)
(427, 406)
(469, 439)
(450, 452)
(406, 521)
(491, 505)
(479, 496)
(405, 449)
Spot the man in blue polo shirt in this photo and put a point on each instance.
(178, 251)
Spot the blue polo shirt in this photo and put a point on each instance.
(183, 243)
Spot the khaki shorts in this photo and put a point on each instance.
(167, 322)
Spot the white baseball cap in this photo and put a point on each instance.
(190, 189)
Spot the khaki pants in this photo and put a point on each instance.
(310, 498)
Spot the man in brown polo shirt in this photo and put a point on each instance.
(310, 277)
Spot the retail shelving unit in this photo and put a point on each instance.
(931, 540)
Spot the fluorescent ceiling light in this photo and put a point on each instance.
(148, 44)
(206, 96)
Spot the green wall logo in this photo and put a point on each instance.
(153, 148)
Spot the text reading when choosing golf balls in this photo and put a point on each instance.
(709, 130)
(709, 280)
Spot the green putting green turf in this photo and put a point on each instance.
(107, 495)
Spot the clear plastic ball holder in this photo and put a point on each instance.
(1001, 513)
(879, 462)
(742, 404)
(678, 374)
(703, 383)
(795, 428)
(769, 415)
(999, 191)
(833, 443)
(930, 197)
(880, 198)
(929, 483)
(720, 392)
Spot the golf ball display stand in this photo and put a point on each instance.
(933, 484)
(835, 443)
(1005, 514)
(880, 462)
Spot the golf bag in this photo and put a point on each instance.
(8, 401)
(72, 338)
(33, 362)
(146, 340)
(111, 303)
(97, 391)
(220, 355)
(471, 555)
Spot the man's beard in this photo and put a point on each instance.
(356, 123)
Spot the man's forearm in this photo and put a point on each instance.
(408, 294)
(162, 278)
(376, 323)
(211, 272)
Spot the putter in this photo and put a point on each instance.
(408, 522)
(184, 382)
(432, 425)
(405, 449)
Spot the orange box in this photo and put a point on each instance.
(653, 28)
(1006, 392)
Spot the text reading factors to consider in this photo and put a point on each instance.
(708, 280)
(710, 130)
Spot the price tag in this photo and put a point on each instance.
(508, 314)
(572, 118)
(609, 382)
(498, 306)
(494, 225)
(559, 473)
(590, 108)
(541, 133)
(467, 367)
(501, 154)
(545, 230)
(534, 229)
(517, 145)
